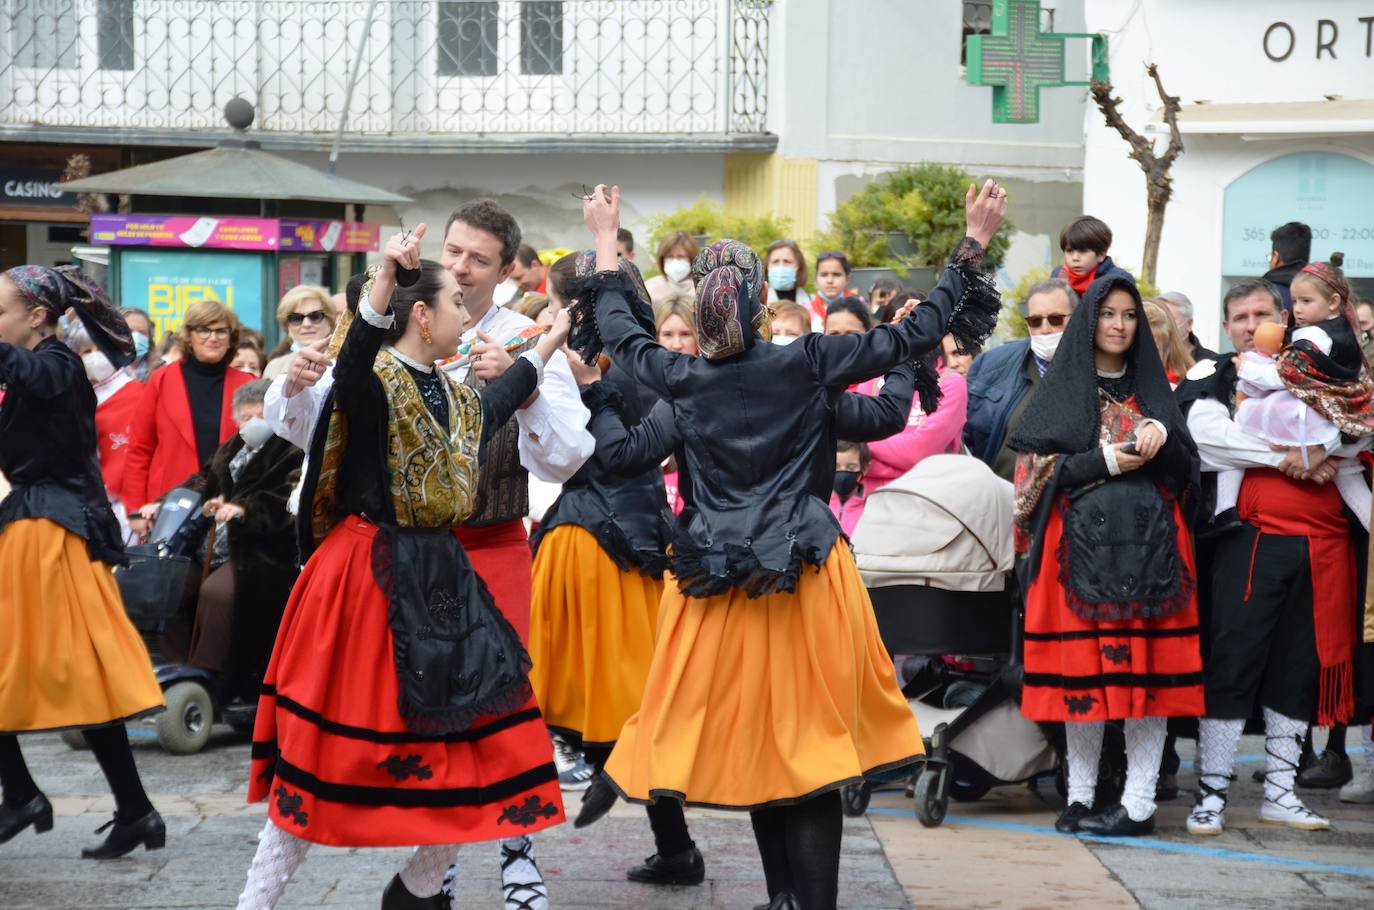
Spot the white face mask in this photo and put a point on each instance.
(256, 432)
(676, 270)
(1044, 346)
(98, 367)
(783, 339)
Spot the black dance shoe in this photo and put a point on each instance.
(1166, 788)
(596, 802)
(685, 868)
(1328, 772)
(1115, 822)
(126, 837)
(14, 819)
(784, 901)
(398, 897)
(1068, 821)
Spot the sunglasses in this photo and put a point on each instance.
(297, 318)
(1056, 320)
(830, 254)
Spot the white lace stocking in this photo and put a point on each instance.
(1083, 741)
(280, 853)
(423, 875)
(1144, 748)
(1282, 747)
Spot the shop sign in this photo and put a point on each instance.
(34, 187)
(1328, 192)
(168, 283)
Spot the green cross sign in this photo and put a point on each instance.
(1017, 60)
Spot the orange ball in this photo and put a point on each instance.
(1269, 338)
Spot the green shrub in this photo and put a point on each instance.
(709, 218)
(923, 201)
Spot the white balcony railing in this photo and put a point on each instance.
(432, 68)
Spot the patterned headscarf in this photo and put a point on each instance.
(1332, 277)
(729, 311)
(67, 287)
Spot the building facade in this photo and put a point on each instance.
(781, 106)
(1277, 124)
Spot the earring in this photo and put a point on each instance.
(425, 336)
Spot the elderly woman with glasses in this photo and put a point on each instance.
(306, 315)
(187, 411)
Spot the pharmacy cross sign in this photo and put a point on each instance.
(1017, 60)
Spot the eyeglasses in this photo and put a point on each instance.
(1056, 320)
(314, 317)
(205, 331)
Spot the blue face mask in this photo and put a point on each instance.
(140, 345)
(782, 277)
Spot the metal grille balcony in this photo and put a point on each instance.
(439, 73)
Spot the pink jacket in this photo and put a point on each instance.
(851, 510)
(925, 434)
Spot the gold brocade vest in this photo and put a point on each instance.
(431, 470)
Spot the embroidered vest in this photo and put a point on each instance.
(503, 484)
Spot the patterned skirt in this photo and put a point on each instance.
(1081, 669)
(332, 754)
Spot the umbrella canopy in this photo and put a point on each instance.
(235, 169)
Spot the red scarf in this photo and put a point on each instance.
(1079, 281)
(1277, 505)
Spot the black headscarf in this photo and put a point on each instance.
(58, 290)
(585, 337)
(1064, 414)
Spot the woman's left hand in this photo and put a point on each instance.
(1148, 441)
(228, 512)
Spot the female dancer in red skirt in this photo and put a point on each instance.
(397, 708)
(1107, 475)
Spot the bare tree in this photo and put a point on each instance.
(1159, 187)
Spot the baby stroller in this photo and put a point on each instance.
(935, 550)
(152, 586)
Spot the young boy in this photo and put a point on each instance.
(847, 502)
(1084, 242)
(790, 322)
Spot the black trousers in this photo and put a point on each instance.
(1263, 637)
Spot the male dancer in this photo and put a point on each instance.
(548, 439)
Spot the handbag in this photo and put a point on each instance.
(151, 584)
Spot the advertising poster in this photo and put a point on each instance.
(166, 284)
(228, 233)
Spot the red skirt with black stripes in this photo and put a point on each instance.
(1080, 669)
(334, 759)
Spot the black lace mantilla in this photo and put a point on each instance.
(585, 337)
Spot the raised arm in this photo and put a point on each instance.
(865, 418)
(630, 451)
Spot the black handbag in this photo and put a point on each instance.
(151, 584)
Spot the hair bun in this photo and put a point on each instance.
(1337, 260)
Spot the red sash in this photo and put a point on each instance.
(1278, 505)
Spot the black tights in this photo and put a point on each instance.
(1335, 740)
(800, 849)
(111, 748)
(666, 819)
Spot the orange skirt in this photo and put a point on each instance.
(71, 657)
(591, 636)
(767, 701)
(334, 757)
(1080, 669)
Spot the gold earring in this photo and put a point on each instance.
(425, 336)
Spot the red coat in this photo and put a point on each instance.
(164, 448)
(114, 433)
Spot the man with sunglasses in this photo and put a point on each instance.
(999, 381)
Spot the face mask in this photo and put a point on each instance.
(676, 270)
(98, 367)
(829, 298)
(256, 432)
(140, 345)
(782, 277)
(846, 482)
(1044, 346)
(783, 340)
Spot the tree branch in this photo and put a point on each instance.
(1171, 109)
(1142, 151)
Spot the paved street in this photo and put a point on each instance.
(998, 852)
